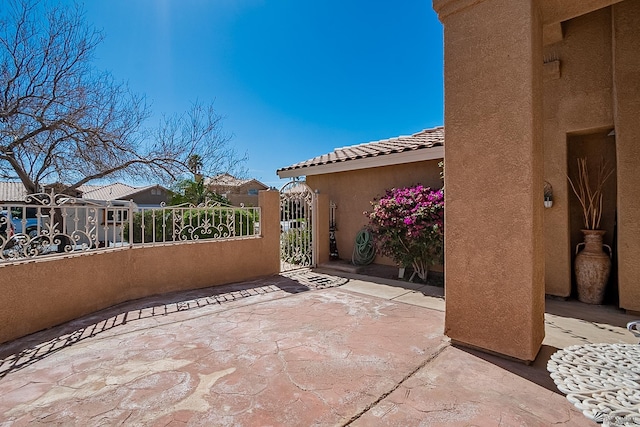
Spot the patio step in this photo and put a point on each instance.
(341, 266)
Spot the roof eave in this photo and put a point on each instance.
(404, 157)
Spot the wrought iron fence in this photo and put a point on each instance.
(189, 222)
(50, 224)
(297, 202)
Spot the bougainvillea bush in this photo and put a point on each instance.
(408, 227)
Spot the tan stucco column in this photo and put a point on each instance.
(494, 259)
(269, 202)
(626, 81)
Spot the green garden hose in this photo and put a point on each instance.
(364, 251)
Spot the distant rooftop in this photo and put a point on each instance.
(403, 149)
(16, 192)
(227, 180)
(115, 191)
(12, 192)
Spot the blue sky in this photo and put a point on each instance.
(293, 79)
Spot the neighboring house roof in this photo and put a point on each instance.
(115, 191)
(16, 192)
(12, 192)
(227, 180)
(427, 144)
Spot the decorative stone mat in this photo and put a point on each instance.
(602, 380)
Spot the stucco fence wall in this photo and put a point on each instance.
(43, 293)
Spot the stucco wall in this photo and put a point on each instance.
(578, 103)
(497, 110)
(239, 194)
(626, 59)
(598, 90)
(353, 191)
(494, 255)
(40, 294)
(242, 199)
(147, 198)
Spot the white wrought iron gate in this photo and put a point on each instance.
(297, 207)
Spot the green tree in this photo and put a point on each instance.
(195, 193)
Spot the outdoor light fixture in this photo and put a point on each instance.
(548, 195)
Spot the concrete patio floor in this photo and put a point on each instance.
(301, 349)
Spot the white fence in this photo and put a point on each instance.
(50, 225)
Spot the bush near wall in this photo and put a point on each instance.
(408, 227)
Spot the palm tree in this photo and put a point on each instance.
(195, 163)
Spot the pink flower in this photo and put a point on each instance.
(407, 224)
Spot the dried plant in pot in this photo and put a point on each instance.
(592, 265)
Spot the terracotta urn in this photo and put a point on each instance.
(592, 267)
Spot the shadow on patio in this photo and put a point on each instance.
(25, 351)
(308, 348)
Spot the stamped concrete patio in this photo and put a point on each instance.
(307, 348)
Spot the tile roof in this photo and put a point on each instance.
(227, 180)
(426, 138)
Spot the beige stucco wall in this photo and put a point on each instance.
(242, 199)
(493, 67)
(239, 195)
(577, 103)
(147, 198)
(597, 90)
(626, 89)
(494, 256)
(40, 294)
(353, 191)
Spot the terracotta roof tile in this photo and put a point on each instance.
(227, 180)
(426, 138)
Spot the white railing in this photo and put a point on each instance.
(187, 222)
(47, 224)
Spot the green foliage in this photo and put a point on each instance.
(156, 222)
(295, 246)
(168, 225)
(408, 226)
(208, 223)
(195, 193)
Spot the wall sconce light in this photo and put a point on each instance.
(548, 195)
